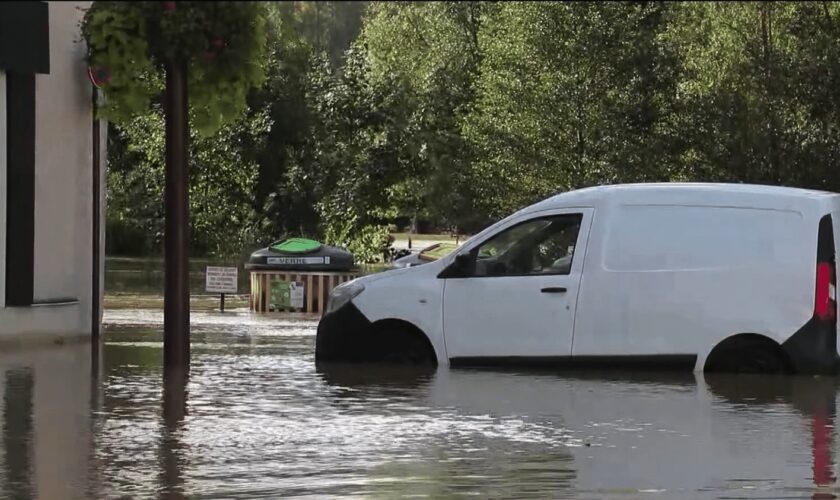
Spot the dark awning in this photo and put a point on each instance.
(25, 37)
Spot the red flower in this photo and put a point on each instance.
(169, 6)
(217, 43)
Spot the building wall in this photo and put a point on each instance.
(62, 288)
(63, 159)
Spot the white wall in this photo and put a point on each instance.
(63, 159)
(63, 197)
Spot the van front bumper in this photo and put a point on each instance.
(344, 335)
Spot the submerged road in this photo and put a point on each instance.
(260, 420)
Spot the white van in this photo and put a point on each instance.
(713, 277)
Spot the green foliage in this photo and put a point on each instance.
(570, 94)
(222, 177)
(117, 39)
(759, 86)
(361, 147)
(368, 244)
(461, 112)
(430, 53)
(306, 43)
(222, 45)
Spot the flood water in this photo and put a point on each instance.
(257, 419)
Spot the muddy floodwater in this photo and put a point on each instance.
(257, 419)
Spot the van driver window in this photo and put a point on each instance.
(536, 247)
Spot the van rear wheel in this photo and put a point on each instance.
(747, 354)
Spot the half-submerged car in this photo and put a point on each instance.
(714, 277)
(426, 255)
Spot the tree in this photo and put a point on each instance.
(215, 49)
(222, 45)
(222, 181)
(570, 95)
(430, 50)
(758, 86)
(461, 112)
(302, 35)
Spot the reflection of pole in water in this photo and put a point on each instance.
(171, 449)
(94, 479)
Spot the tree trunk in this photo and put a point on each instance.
(774, 155)
(176, 310)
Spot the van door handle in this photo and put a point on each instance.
(554, 289)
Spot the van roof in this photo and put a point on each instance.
(681, 192)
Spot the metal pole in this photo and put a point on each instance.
(95, 229)
(176, 309)
(222, 303)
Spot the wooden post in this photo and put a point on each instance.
(309, 290)
(222, 303)
(322, 294)
(176, 309)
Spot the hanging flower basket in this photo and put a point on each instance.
(221, 43)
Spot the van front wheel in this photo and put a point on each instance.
(747, 354)
(399, 343)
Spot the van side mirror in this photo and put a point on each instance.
(459, 268)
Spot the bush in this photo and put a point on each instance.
(123, 237)
(368, 244)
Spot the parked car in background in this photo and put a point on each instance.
(428, 254)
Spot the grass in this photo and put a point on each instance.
(149, 301)
(138, 283)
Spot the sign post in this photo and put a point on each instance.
(221, 280)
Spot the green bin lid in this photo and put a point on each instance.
(296, 245)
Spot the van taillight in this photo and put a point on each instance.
(826, 306)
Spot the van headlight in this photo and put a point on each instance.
(342, 294)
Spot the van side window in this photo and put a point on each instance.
(536, 247)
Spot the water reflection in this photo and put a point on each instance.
(813, 398)
(622, 433)
(46, 423)
(171, 448)
(256, 418)
(17, 432)
(466, 445)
